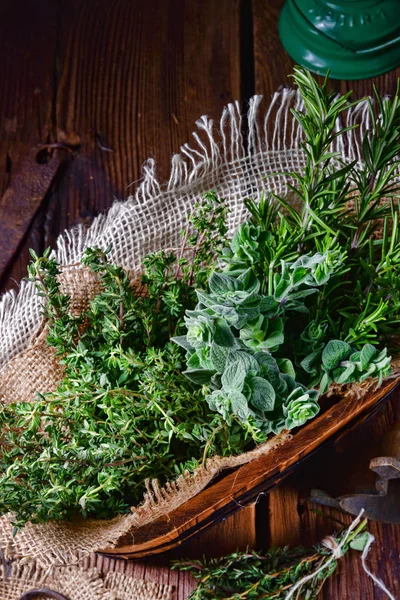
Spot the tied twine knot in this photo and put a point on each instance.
(331, 544)
(337, 551)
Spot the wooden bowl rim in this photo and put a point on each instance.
(245, 483)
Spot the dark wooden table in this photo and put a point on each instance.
(123, 80)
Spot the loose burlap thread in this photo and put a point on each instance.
(151, 220)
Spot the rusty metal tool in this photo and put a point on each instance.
(383, 503)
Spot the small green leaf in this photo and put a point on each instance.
(199, 376)
(334, 352)
(193, 361)
(223, 335)
(218, 356)
(325, 383)
(368, 352)
(249, 282)
(360, 541)
(286, 366)
(262, 394)
(282, 288)
(220, 283)
(299, 276)
(311, 362)
(234, 376)
(344, 374)
(247, 361)
(239, 405)
(182, 341)
(269, 306)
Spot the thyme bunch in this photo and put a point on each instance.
(254, 575)
(124, 412)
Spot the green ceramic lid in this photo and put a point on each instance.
(355, 39)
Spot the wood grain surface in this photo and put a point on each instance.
(123, 80)
(27, 54)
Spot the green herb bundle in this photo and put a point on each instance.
(308, 296)
(230, 341)
(272, 574)
(124, 411)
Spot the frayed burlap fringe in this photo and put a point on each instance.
(151, 220)
(153, 217)
(77, 584)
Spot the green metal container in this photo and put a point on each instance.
(355, 39)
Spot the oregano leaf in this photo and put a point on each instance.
(234, 375)
(219, 283)
(262, 394)
(218, 357)
(223, 335)
(334, 352)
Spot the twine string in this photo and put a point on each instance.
(336, 550)
(374, 578)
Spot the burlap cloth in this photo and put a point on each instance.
(150, 220)
(76, 583)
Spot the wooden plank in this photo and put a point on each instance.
(237, 532)
(22, 200)
(134, 77)
(272, 64)
(27, 52)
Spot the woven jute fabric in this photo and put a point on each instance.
(151, 220)
(126, 588)
(76, 583)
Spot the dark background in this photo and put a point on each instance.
(119, 81)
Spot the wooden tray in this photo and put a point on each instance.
(237, 488)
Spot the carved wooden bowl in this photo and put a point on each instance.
(232, 491)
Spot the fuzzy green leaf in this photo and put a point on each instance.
(334, 352)
(218, 357)
(223, 335)
(262, 394)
